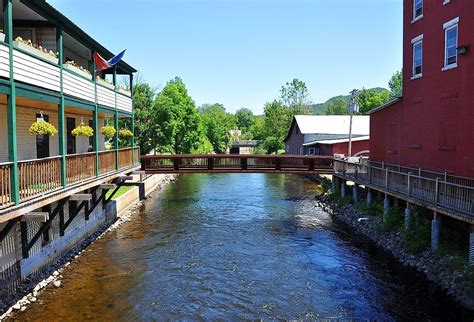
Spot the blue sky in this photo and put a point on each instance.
(240, 52)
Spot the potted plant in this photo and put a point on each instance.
(36, 50)
(41, 127)
(125, 133)
(72, 66)
(108, 131)
(83, 130)
(105, 82)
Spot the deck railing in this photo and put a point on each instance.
(5, 182)
(80, 167)
(125, 157)
(39, 176)
(436, 189)
(106, 161)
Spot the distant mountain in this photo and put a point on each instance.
(321, 108)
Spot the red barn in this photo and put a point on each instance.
(432, 125)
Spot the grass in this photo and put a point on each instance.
(455, 244)
(338, 200)
(121, 191)
(418, 236)
(374, 209)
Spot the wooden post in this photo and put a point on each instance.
(61, 112)
(408, 184)
(278, 164)
(436, 198)
(311, 165)
(176, 164)
(243, 163)
(210, 163)
(11, 104)
(386, 178)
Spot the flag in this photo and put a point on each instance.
(102, 64)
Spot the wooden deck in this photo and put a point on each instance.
(441, 192)
(233, 163)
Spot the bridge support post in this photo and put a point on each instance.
(407, 216)
(343, 188)
(369, 196)
(386, 207)
(435, 232)
(334, 184)
(471, 245)
(355, 193)
(396, 202)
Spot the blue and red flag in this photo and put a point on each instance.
(102, 64)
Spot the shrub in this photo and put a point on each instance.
(374, 209)
(108, 131)
(393, 220)
(42, 127)
(418, 236)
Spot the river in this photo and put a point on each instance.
(238, 246)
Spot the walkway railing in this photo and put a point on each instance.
(125, 157)
(436, 189)
(236, 163)
(106, 161)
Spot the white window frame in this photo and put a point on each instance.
(447, 27)
(312, 151)
(415, 17)
(445, 2)
(417, 41)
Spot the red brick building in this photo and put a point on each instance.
(432, 125)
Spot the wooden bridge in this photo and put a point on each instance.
(228, 163)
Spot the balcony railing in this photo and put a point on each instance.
(35, 70)
(433, 188)
(39, 176)
(42, 176)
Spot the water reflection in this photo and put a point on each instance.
(238, 246)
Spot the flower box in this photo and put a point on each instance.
(102, 82)
(2, 36)
(35, 52)
(124, 91)
(77, 71)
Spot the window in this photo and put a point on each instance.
(451, 46)
(417, 9)
(418, 58)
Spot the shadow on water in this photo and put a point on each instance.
(239, 246)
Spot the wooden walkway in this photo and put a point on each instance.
(234, 163)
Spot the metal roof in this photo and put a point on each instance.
(53, 15)
(332, 124)
(360, 138)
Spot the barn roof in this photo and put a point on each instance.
(359, 138)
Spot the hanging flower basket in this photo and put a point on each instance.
(83, 130)
(108, 131)
(124, 133)
(41, 127)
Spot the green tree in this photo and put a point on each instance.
(295, 96)
(396, 84)
(278, 119)
(217, 123)
(257, 130)
(144, 109)
(337, 107)
(369, 99)
(244, 119)
(177, 125)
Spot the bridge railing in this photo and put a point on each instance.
(236, 163)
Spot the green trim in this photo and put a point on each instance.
(75, 102)
(96, 120)
(11, 105)
(133, 122)
(5, 88)
(125, 114)
(77, 74)
(37, 93)
(116, 117)
(34, 56)
(61, 112)
(105, 109)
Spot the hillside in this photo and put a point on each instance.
(320, 108)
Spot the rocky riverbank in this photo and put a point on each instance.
(434, 266)
(30, 288)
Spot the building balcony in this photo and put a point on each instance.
(42, 177)
(32, 67)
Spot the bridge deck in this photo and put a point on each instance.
(233, 163)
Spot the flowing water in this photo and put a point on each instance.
(238, 246)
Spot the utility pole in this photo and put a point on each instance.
(353, 107)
